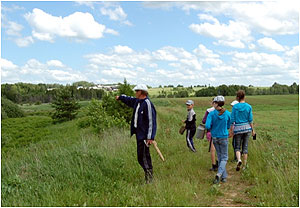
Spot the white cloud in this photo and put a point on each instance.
(266, 17)
(7, 65)
(33, 71)
(78, 25)
(122, 49)
(13, 28)
(231, 34)
(111, 31)
(116, 13)
(270, 44)
(24, 41)
(233, 43)
(55, 63)
(208, 18)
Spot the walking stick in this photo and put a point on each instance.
(158, 151)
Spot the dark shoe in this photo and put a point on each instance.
(149, 176)
(217, 179)
(223, 180)
(238, 166)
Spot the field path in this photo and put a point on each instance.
(234, 190)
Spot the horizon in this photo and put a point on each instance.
(155, 43)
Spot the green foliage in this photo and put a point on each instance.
(100, 119)
(116, 108)
(20, 132)
(65, 106)
(10, 109)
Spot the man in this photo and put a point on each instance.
(143, 125)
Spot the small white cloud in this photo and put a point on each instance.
(24, 41)
(233, 43)
(111, 31)
(270, 44)
(78, 25)
(122, 49)
(232, 34)
(55, 63)
(208, 18)
(116, 13)
(13, 28)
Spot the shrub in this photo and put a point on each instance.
(65, 105)
(10, 109)
(101, 120)
(117, 108)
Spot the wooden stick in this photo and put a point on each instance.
(158, 151)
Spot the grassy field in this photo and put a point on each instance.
(62, 165)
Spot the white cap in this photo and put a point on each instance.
(142, 87)
(189, 102)
(219, 98)
(234, 102)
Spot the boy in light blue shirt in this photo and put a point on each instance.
(218, 122)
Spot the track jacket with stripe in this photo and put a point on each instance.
(143, 122)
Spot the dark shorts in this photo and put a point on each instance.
(241, 140)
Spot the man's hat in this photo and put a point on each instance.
(142, 87)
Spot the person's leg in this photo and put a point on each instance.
(217, 146)
(224, 157)
(246, 137)
(213, 158)
(237, 149)
(188, 140)
(144, 160)
(234, 153)
(192, 134)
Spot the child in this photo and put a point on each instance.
(208, 136)
(190, 125)
(218, 121)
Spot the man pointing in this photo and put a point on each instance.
(143, 125)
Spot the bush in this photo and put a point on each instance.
(10, 109)
(116, 108)
(65, 105)
(101, 120)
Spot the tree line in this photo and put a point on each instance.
(44, 93)
(230, 90)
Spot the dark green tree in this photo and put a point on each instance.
(65, 105)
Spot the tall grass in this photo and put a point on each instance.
(76, 167)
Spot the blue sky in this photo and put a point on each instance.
(156, 43)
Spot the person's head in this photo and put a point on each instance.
(141, 91)
(240, 95)
(218, 101)
(189, 104)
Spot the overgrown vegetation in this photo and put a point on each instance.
(10, 109)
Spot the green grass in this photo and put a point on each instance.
(62, 165)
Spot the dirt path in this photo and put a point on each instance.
(234, 190)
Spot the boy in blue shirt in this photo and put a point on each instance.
(218, 122)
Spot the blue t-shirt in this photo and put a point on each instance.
(218, 124)
(241, 113)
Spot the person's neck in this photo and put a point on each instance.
(142, 97)
(242, 101)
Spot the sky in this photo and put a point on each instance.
(154, 43)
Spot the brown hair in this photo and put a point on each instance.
(144, 92)
(220, 104)
(240, 95)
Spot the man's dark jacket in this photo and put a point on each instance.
(146, 120)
